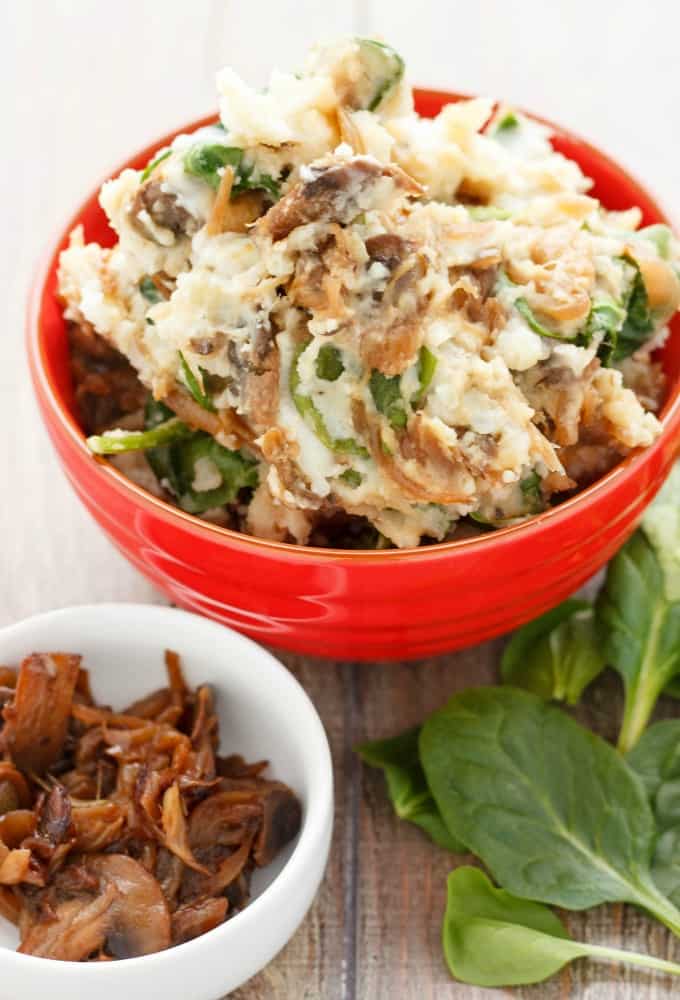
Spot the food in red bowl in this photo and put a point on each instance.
(446, 286)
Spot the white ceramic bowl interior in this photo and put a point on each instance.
(263, 713)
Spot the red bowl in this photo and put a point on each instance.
(355, 605)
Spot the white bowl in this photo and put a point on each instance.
(264, 713)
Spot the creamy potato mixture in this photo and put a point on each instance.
(348, 315)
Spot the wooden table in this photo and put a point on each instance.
(83, 83)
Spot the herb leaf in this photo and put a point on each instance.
(386, 393)
(530, 792)
(311, 414)
(351, 477)
(642, 629)
(427, 365)
(526, 312)
(406, 785)
(151, 166)
(605, 321)
(194, 386)
(638, 324)
(329, 364)
(491, 938)
(174, 465)
(116, 442)
(557, 655)
(383, 65)
(147, 287)
(205, 160)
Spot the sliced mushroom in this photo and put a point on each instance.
(77, 930)
(139, 920)
(14, 791)
(54, 816)
(193, 919)
(41, 705)
(336, 190)
(280, 823)
(97, 825)
(163, 209)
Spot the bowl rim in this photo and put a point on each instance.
(625, 469)
(317, 820)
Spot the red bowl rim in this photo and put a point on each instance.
(626, 468)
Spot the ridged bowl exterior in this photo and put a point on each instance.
(347, 604)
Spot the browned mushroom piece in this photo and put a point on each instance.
(75, 930)
(97, 825)
(389, 249)
(163, 209)
(335, 191)
(36, 719)
(54, 816)
(193, 919)
(127, 917)
(281, 822)
(14, 791)
(16, 826)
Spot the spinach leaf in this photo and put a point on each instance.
(531, 793)
(249, 179)
(383, 66)
(531, 490)
(507, 123)
(174, 465)
(194, 386)
(329, 364)
(427, 365)
(351, 477)
(312, 416)
(117, 441)
(638, 323)
(406, 785)
(386, 393)
(205, 160)
(656, 760)
(151, 166)
(526, 312)
(642, 632)
(557, 655)
(147, 287)
(604, 322)
(492, 938)
(661, 525)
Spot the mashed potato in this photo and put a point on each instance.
(365, 317)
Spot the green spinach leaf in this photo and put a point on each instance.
(605, 321)
(656, 760)
(642, 632)
(174, 464)
(147, 287)
(384, 67)
(151, 166)
(205, 160)
(310, 413)
(557, 655)
(329, 364)
(661, 525)
(118, 441)
(386, 393)
(530, 792)
(492, 938)
(638, 323)
(526, 312)
(427, 365)
(406, 785)
(195, 387)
